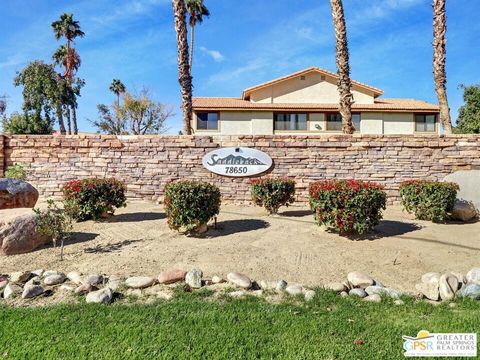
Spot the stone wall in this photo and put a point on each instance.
(147, 163)
(2, 159)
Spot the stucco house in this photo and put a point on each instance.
(306, 102)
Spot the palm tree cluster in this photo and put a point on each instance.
(67, 57)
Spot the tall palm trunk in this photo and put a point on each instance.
(439, 74)
(184, 77)
(343, 66)
(74, 120)
(69, 123)
(61, 125)
(192, 42)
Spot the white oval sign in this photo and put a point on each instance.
(237, 162)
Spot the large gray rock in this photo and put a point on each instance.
(448, 286)
(194, 278)
(429, 290)
(240, 280)
(31, 291)
(470, 290)
(473, 276)
(359, 279)
(468, 182)
(464, 210)
(54, 279)
(11, 290)
(18, 232)
(103, 296)
(17, 194)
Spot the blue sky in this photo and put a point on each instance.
(243, 43)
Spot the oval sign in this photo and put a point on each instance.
(237, 162)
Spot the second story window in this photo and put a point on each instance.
(290, 121)
(207, 121)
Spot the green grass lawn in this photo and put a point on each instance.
(192, 327)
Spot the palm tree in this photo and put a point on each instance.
(439, 74)
(118, 88)
(197, 10)
(70, 29)
(343, 66)
(184, 76)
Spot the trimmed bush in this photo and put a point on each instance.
(429, 200)
(271, 193)
(347, 206)
(16, 171)
(93, 198)
(190, 205)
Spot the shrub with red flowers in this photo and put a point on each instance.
(271, 193)
(93, 198)
(347, 206)
(429, 200)
(190, 205)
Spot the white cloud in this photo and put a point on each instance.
(214, 54)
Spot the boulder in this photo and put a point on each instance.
(103, 296)
(139, 282)
(11, 290)
(20, 276)
(240, 280)
(309, 295)
(31, 291)
(469, 290)
(281, 285)
(54, 279)
(429, 290)
(358, 279)
(473, 276)
(18, 232)
(431, 278)
(17, 194)
(468, 182)
(94, 279)
(464, 210)
(336, 286)
(194, 278)
(448, 286)
(75, 277)
(357, 292)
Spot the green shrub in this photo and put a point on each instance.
(93, 198)
(429, 200)
(190, 205)
(16, 171)
(271, 193)
(347, 206)
(54, 223)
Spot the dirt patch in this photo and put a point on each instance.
(137, 241)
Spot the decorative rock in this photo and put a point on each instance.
(67, 288)
(464, 210)
(337, 287)
(20, 276)
(473, 276)
(17, 194)
(31, 291)
(399, 302)
(139, 282)
(471, 291)
(344, 294)
(447, 286)
(240, 280)
(114, 282)
(268, 285)
(50, 272)
(217, 280)
(377, 283)
(237, 294)
(358, 279)
(294, 289)
(11, 290)
(54, 279)
(382, 291)
(103, 296)
(38, 272)
(84, 289)
(357, 292)
(171, 276)
(194, 278)
(281, 285)
(18, 232)
(309, 295)
(33, 281)
(431, 278)
(94, 279)
(429, 290)
(75, 277)
(373, 298)
(461, 279)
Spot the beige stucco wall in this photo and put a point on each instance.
(311, 90)
(261, 123)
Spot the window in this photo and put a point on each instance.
(425, 122)
(334, 121)
(207, 121)
(292, 121)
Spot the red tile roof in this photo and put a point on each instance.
(237, 104)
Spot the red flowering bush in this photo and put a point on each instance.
(271, 193)
(190, 205)
(347, 206)
(93, 198)
(429, 200)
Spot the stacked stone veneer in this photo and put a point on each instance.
(147, 163)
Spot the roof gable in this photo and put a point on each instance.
(247, 92)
